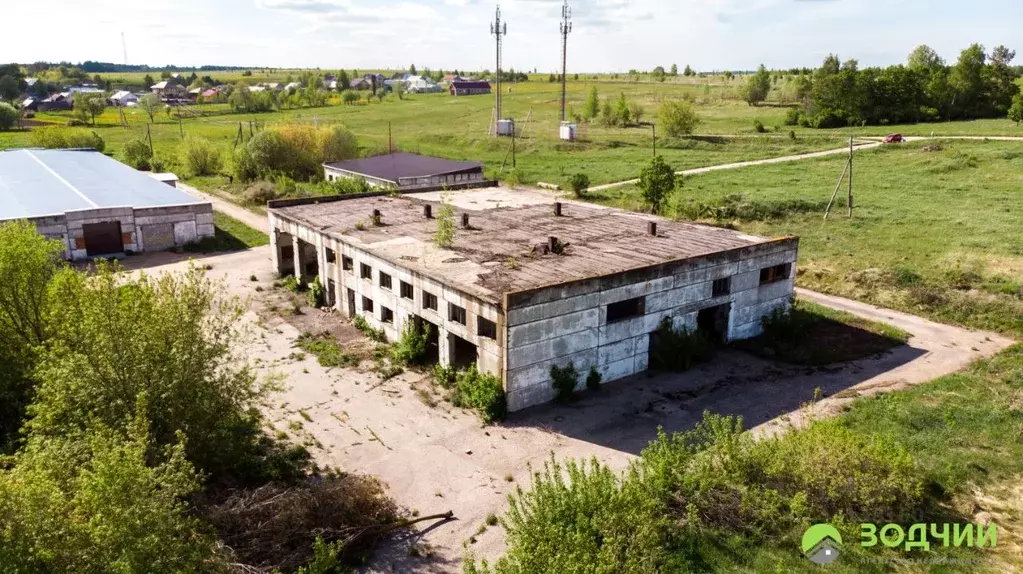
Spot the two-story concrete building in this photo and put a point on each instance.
(528, 282)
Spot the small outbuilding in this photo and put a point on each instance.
(457, 88)
(96, 205)
(408, 172)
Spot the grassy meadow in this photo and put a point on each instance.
(457, 128)
(936, 228)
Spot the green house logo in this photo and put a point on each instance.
(821, 543)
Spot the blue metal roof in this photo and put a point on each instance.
(36, 182)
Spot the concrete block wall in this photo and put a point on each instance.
(188, 223)
(568, 323)
(490, 357)
(77, 218)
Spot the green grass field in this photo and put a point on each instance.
(457, 128)
(934, 232)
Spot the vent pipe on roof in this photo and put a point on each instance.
(557, 208)
(465, 220)
(428, 211)
(552, 244)
(375, 217)
(651, 228)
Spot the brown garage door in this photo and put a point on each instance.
(102, 238)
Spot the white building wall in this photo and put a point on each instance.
(569, 323)
(489, 351)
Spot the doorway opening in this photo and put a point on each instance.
(432, 356)
(102, 238)
(713, 322)
(351, 302)
(463, 353)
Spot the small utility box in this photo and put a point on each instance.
(505, 127)
(568, 131)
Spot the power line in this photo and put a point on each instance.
(566, 28)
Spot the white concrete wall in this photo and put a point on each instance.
(489, 351)
(569, 323)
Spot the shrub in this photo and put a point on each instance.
(259, 193)
(445, 235)
(410, 349)
(8, 116)
(361, 324)
(316, 294)
(245, 166)
(346, 185)
(564, 380)
(75, 123)
(200, 157)
(793, 116)
(678, 349)
(295, 150)
(784, 324)
(445, 376)
(327, 350)
(579, 183)
(758, 126)
(482, 392)
(678, 118)
(63, 138)
(137, 154)
(593, 379)
(350, 97)
(337, 144)
(657, 181)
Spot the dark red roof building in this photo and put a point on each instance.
(457, 88)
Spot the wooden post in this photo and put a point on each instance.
(850, 176)
(653, 139)
(149, 136)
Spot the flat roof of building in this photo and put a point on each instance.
(503, 250)
(395, 166)
(38, 182)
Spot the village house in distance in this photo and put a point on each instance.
(529, 282)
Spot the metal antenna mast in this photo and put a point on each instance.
(498, 29)
(566, 27)
(124, 47)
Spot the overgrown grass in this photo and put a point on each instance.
(328, 351)
(812, 334)
(229, 235)
(934, 233)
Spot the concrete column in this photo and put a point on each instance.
(299, 257)
(275, 251)
(321, 260)
(339, 292)
(444, 347)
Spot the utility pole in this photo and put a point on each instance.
(513, 147)
(850, 175)
(390, 146)
(653, 129)
(498, 29)
(566, 27)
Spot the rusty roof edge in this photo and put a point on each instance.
(772, 241)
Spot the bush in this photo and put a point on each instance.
(593, 379)
(826, 119)
(137, 154)
(76, 123)
(678, 349)
(327, 350)
(792, 116)
(410, 349)
(8, 116)
(63, 138)
(482, 392)
(758, 126)
(200, 157)
(350, 97)
(295, 150)
(782, 324)
(361, 324)
(579, 183)
(678, 118)
(446, 377)
(317, 295)
(346, 185)
(245, 166)
(564, 380)
(259, 193)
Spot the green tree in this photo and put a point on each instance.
(137, 154)
(674, 70)
(688, 71)
(757, 87)
(89, 105)
(171, 338)
(923, 57)
(607, 113)
(412, 69)
(592, 108)
(9, 89)
(148, 81)
(658, 71)
(657, 181)
(8, 116)
(1000, 79)
(968, 81)
(150, 105)
(1016, 109)
(677, 118)
(636, 112)
(200, 156)
(339, 144)
(622, 110)
(94, 502)
(241, 98)
(28, 262)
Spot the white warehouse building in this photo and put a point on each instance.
(529, 283)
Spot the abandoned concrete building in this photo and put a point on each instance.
(96, 205)
(528, 282)
(410, 172)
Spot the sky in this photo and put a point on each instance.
(607, 35)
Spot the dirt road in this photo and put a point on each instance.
(253, 220)
(435, 458)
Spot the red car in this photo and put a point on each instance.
(894, 138)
